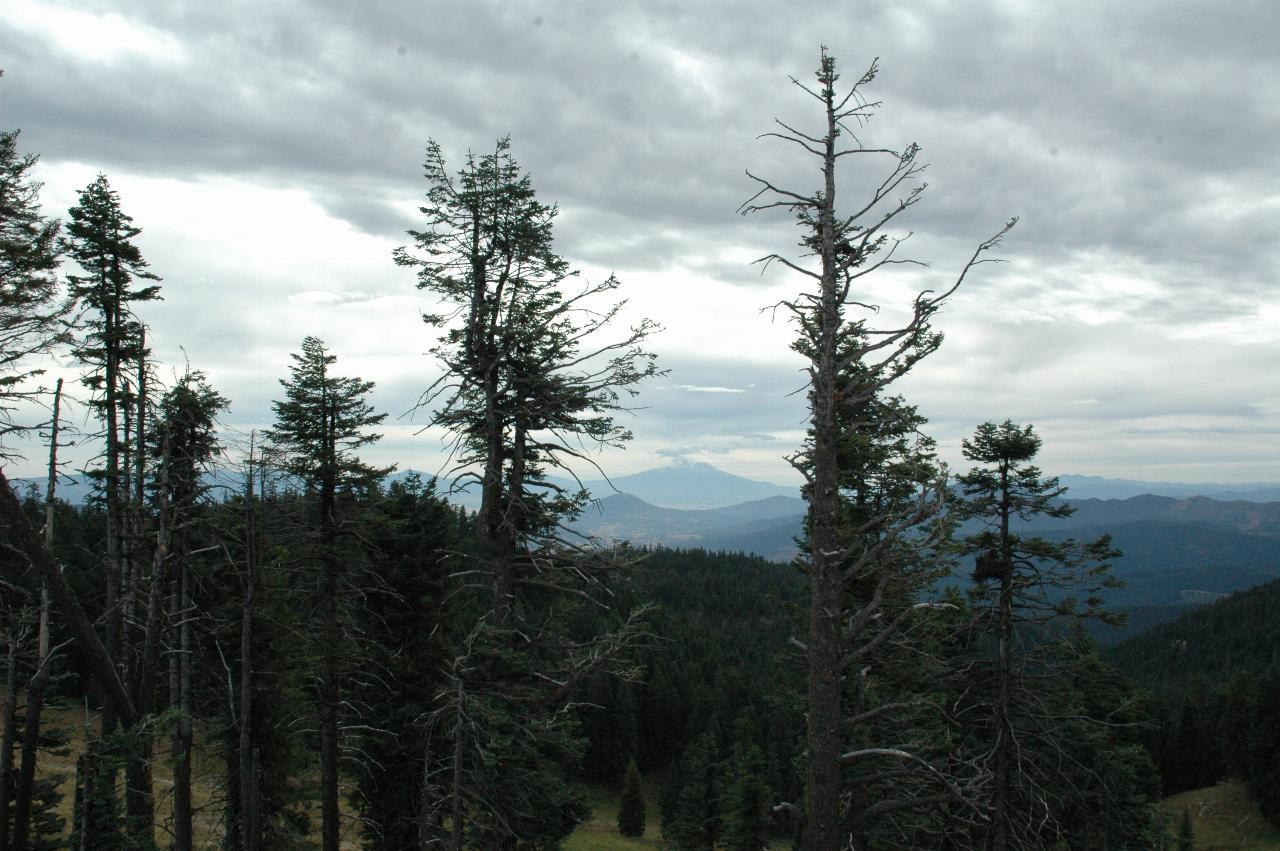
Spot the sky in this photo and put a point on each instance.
(272, 153)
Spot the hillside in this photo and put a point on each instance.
(1222, 817)
(1239, 633)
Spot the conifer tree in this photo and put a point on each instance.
(532, 382)
(1186, 836)
(321, 422)
(869, 515)
(1025, 588)
(184, 444)
(631, 810)
(697, 817)
(412, 532)
(100, 239)
(1262, 766)
(32, 316)
(747, 800)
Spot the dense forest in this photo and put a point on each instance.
(269, 642)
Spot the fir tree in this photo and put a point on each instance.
(1186, 837)
(1025, 594)
(747, 800)
(631, 811)
(321, 422)
(697, 822)
(32, 316)
(185, 445)
(100, 239)
(532, 382)
(411, 531)
(866, 513)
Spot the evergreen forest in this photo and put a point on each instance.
(262, 640)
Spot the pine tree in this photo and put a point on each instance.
(532, 382)
(697, 822)
(321, 422)
(747, 800)
(184, 444)
(865, 513)
(1025, 590)
(1186, 837)
(100, 239)
(631, 810)
(32, 316)
(411, 531)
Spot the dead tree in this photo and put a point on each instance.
(852, 556)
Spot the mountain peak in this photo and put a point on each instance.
(688, 484)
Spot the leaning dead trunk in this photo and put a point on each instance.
(16, 528)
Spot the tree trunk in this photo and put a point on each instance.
(139, 797)
(823, 830)
(248, 776)
(458, 815)
(1000, 804)
(31, 732)
(83, 827)
(182, 809)
(114, 619)
(8, 707)
(330, 691)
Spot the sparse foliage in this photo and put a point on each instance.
(867, 512)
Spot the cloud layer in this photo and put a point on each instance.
(272, 154)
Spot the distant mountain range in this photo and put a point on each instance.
(1179, 550)
(1096, 487)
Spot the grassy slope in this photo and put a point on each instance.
(600, 832)
(206, 777)
(1223, 817)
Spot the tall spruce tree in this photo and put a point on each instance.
(532, 382)
(747, 799)
(869, 514)
(631, 807)
(1027, 595)
(322, 421)
(100, 239)
(1186, 834)
(695, 821)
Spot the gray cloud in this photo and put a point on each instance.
(1134, 140)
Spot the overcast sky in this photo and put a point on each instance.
(272, 152)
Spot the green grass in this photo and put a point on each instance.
(600, 832)
(1223, 817)
(206, 778)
